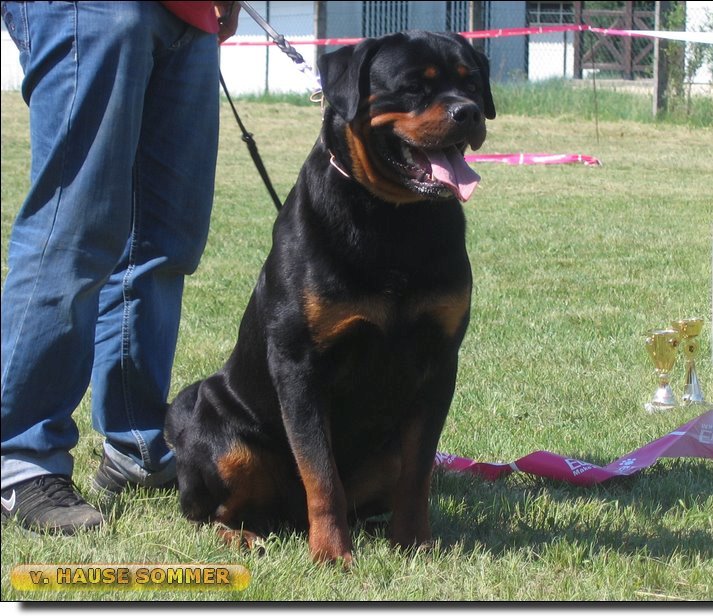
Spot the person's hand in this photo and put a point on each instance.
(227, 13)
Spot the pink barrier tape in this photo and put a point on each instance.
(691, 37)
(533, 159)
(501, 32)
(687, 37)
(692, 440)
(295, 43)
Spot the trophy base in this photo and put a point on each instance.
(692, 393)
(657, 407)
(663, 399)
(695, 402)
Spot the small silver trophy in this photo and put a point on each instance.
(688, 330)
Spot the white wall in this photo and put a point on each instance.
(244, 68)
(697, 14)
(256, 69)
(11, 73)
(550, 56)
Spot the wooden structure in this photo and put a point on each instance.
(621, 55)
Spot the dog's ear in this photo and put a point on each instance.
(344, 75)
(484, 67)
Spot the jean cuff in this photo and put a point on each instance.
(134, 473)
(18, 466)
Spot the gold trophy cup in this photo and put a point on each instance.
(688, 330)
(662, 345)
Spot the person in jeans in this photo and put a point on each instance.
(123, 100)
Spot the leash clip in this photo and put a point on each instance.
(335, 164)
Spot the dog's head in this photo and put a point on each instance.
(411, 104)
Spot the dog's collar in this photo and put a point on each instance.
(318, 97)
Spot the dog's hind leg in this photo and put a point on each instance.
(260, 490)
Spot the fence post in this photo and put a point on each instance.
(628, 59)
(660, 60)
(320, 27)
(476, 21)
(578, 47)
(267, 51)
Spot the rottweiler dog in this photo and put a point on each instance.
(332, 402)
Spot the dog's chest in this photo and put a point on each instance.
(377, 353)
(330, 320)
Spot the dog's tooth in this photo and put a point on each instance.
(406, 151)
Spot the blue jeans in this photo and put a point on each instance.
(123, 100)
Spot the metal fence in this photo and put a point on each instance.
(568, 55)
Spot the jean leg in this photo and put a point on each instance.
(87, 66)
(140, 306)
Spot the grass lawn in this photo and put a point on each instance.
(572, 265)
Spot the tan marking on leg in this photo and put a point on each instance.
(329, 539)
(249, 476)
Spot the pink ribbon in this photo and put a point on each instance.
(692, 440)
(699, 37)
(533, 159)
(691, 37)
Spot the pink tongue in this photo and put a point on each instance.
(449, 168)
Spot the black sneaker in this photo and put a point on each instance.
(110, 481)
(49, 503)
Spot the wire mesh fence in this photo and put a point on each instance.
(251, 67)
(534, 57)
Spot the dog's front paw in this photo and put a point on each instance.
(414, 546)
(241, 538)
(411, 535)
(330, 543)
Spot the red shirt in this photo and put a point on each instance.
(199, 14)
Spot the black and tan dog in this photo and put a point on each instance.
(333, 400)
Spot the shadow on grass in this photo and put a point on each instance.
(659, 512)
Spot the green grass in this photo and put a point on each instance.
(571, 266)
(573, 101)
(606, 100)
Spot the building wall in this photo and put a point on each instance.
(258, 69)
(11, 72)
(293, 17)
(508, 55)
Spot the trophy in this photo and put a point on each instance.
(662, 345)
(688, 329)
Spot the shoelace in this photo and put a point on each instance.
(60, 490)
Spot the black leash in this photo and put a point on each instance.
(305, 68)
(252, 148)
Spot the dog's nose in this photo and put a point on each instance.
(465, 112)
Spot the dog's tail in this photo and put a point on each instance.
(179, 412)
